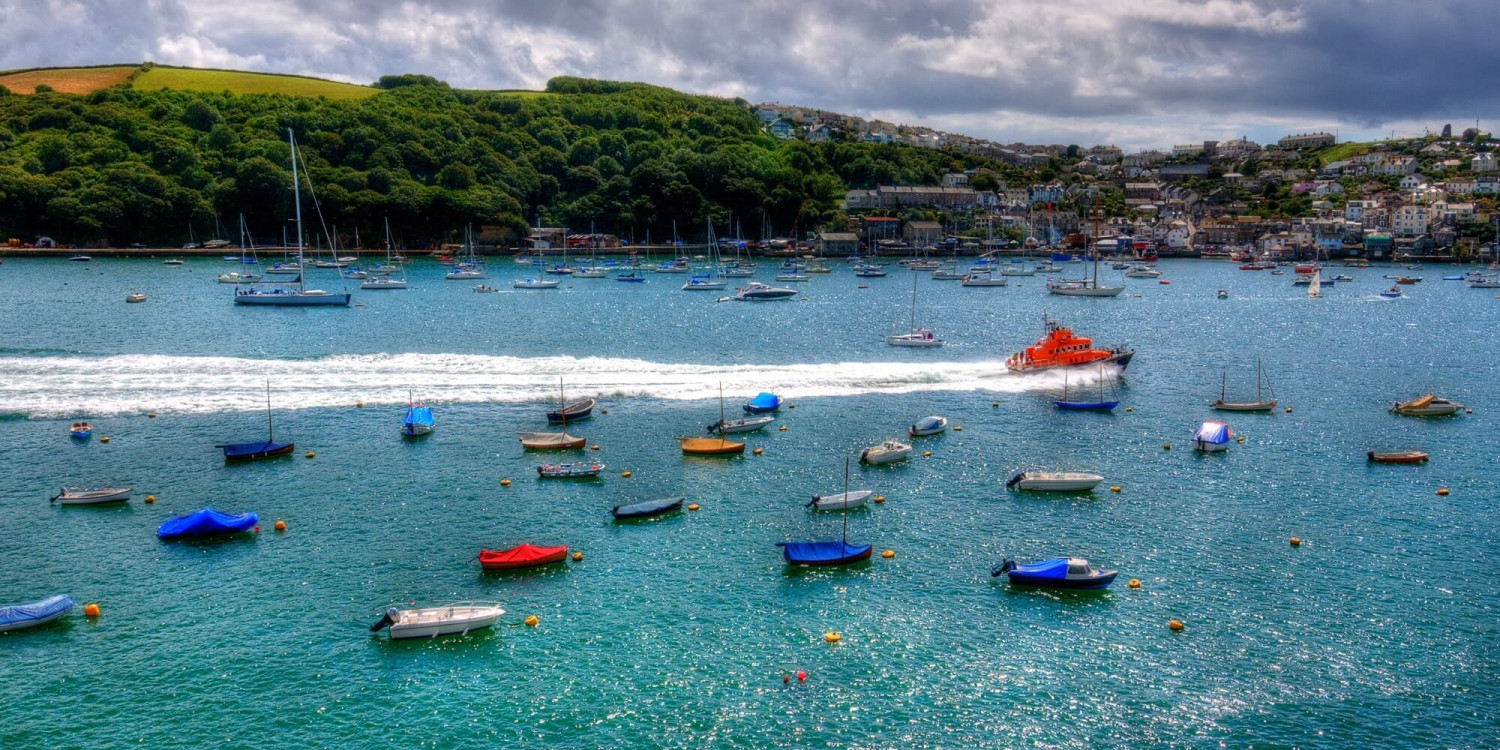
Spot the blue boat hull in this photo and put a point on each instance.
(81, 435)
(293, 300)
(1086, 406)
(823, 553)
(21, 616)
(249, 451)
(647, 509)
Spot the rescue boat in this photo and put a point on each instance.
(1060, 348)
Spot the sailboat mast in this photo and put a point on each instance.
(270, 433)
(562, 405)
(845, 537)
(1257, 379)
(297, 204)
(914, 301)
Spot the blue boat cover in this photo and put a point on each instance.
(763, 401)
(813, 553)
(647, 508)
(1213, 432)
(237, 450)
(927, 423)
(1064, 257)
(416, 415)
(206, 522)
(16, 614)
(1055, 569)
(1087, 405)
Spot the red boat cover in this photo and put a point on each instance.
(522, 556)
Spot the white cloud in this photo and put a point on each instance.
(192, 51)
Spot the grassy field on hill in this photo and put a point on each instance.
(1341, 151)
(190, 79)
(67, 80)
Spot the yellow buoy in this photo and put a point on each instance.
(995, 404)
(91, 609)
(359, 404)
(832, 637)
(310, 454)
(532, 621)
(692, 506)
(577, 556)
(104, 439)
(958, 428)
(926, 454)
(782, 428)
(625, 474)
(1166, 446)
(1135, 583)
(505, 483)
(150, 498)
(280, 525)
(151, 415)
(880, 498)
(1129, 408)
(603, 411)
(1289, 410)
(757, 451)
(1175, 625)
(1442, 491)
(1114, 488)
(1296, 541)
(594, 447)
(1239, 439)
(1468, 411)
(888, 554)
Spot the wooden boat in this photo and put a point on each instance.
(1057, 573)
(697, 446)
(1397, 457)
(430, 622)
(887, 452)
(259, 449)
(570, 470)
(522, 556)
(91, 495)
(932, 425)
(647, 509)
(1257, 405)
(80, 431)
(22, 616)
(840, 501)
(1055, 481)
(1426, 406)
(552, 441)
(575, 411)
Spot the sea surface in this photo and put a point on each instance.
(1381, 629)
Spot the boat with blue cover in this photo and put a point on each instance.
(418, 420)
(763, 403)
(830, 552)
(258, 449)
(648, 508)
(1057, 573)
(932, 425)
(21, 616)
(206, 522)
(1098, 403)
(1212, 436)
(80, 431)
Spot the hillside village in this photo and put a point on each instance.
(1305, 195)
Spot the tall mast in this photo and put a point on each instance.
(297, 203)
(846, 506)
(1257, 378)
(270, 435)
(562, 405)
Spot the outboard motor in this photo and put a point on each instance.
(1004, 568)
(1015, 479)
(390, 618)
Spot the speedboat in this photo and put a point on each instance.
(1391, 293)
(841, 501)
(732, 426)
(1426, 406)
(206, 522)
(80, 431)
(1060, 348)
(534, 284)
(1057, 573)
(570, 470)
(1212, 437)
(522, 556)
(928, 426)
(647, 509)
(763, 403)
(886, 452)
(1396, 457)
(758, 292)
(919, 337)
(92, 495)
(21, 616)
(238, 278)
(983, 278)
(430, 622)
(80, 258)
(1142, 272)
(1055, 481)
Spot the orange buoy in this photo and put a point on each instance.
(104, 439)
(1129, 408)
(280, 525)
(756, 451)
(888, 554)
(1114, 488)
(1135, 583)
(958, 428)
(577, 556)
(1289, 410)
(310, 454)
(880, 498)
(359, 404)
(1442, 491)
(782, 428)
(1175, 625)
(625, 473)
(532, 621)
(91, 609)
(1296, 541)
(926, 454)
(832, 637)
(692, 506)
(594, 447)
(150, 498)
(151, 415)
(1166, 446)
(505, 483)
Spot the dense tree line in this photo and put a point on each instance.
(121, 165)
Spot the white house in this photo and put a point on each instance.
(1411, 221)
(1411, 182)
(1325, 188)
(1485, 162)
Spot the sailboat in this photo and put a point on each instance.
(469, 267)
(247, 257)
(552, 441)
(258, 449)
(1100, 404)
(719, 446)
(1315, 287)
(830, 552)
(711, 280)
(1256, 405)
(301, 296)
(593, 270)
(418, 420)
(1085, 287)
(384, 278)
(919, 337)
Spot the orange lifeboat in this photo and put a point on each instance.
(1060, 348)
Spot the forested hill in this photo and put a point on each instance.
(123, 164)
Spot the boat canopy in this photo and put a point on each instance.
(927, 424)
(764, 400)
(647, 508)
(418, 415)
(823, 553)
(17, 614)
(1213, 432)
(206, 522)
(1056, 568)
(1420, 403)
(522, 555)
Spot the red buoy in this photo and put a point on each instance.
(801, 676)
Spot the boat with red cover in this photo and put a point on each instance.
(1060, 348)
(522, 556)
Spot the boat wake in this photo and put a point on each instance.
(47, 387)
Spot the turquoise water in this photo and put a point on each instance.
(1381, 628)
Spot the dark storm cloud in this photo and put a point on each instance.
(1105, 69)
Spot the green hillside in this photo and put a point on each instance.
(194, 79)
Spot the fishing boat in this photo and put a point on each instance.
(1098, 404)
(764, 402)
(258, 449)
(1426, 406)
(1392, 293)
(301, 296)
(647, 509)
(578, 410)
(388, 275)
(1396, 457)
(983, 278)
(522, 556)
(418, 420)
(458, 618)
(918, 337)
(1258, 405)
(1055, 481)
(91, 495)
(534, 283)
(552, 441)
(831, 552)
(718, 446)
(34, 614)
(206, 522)
(570, 470)
(925, 426)
(1212, 436)
(887, 452)
(1057, 573)
(733, 426)
(758, 292)
(840, 501)
(80, 431)
(1060, 348)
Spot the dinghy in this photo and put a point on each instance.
(553, 441)
(91, 495)
(1397, 457)
(840, 501)
(1055, 481)
(22, 616)
(430, 622)
(710, 446)
(573, 412)
(732, 426)
(763, 403)
(928, 426)
(1212, 437)
(1258, 405)
(647, 509)
(1057, 573)
(570, 470)
(886, 452)
(261, 449)
(206, 522)
(80, 431)
(522, 556)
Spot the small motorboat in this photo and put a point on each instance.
(841, 501)
(91, 495)
(1391, 293)
(522, 556)
(550, 441)
(80, 258)
(22, 616)
(763, 403)
(486, 289)
(1057, 573)
(1212, 437)
(80, 431)
(1055, 481)
(647, 509)
(834, 552)
(1396, 457)
(430, 622)
(983, 278)
(172, 262)
(234, 277)
(573, 412)
(703, 284)
(732, 426)
(887, 452)
(251, 451)
(206, 522)
(137, 297)
(1408, 279)
(758, 292)
(1222, 294)
(1426, 406)
(696, 446)
(531, 283)
(1343, 277)
(570, 470)
(928, 426)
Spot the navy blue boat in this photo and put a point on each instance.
(1057, 573)
(835, 552)
(206, 522)
(762, 403)
(648, 508)
(261, 449)
(572, 412)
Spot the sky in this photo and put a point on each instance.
(1134, 73)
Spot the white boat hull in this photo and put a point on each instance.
(1244, 407)
(383, 284)
(432, 622)
(1060, 482)
(736, 426)
(984, 282)
(885, 455)
(76, 496)
(1106, 291)
(912, 340)
(841, 501)
(1205, 446)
